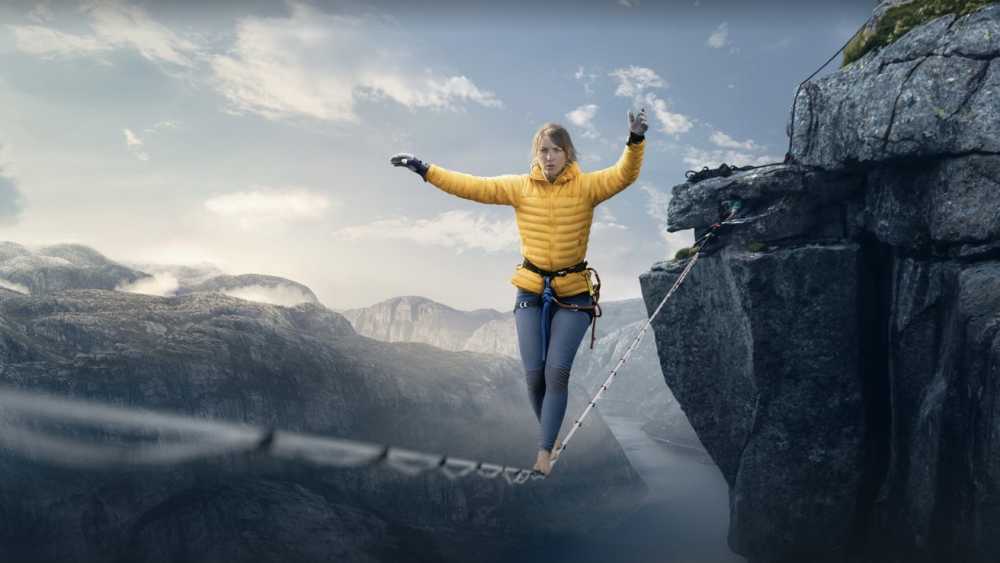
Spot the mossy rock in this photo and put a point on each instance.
(898, 20)
(756, 246)
(683, 253)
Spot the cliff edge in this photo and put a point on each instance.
(838, 350)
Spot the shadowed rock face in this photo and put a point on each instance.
(836, 348)
(302, 369)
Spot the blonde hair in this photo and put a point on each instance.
(559, 136)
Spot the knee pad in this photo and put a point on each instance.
(557, 378)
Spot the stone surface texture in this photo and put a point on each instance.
(837, 345)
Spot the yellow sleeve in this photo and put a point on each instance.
(603, 184)
(500, 190)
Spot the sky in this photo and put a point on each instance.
(256, 136)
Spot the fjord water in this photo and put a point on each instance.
(685, 516)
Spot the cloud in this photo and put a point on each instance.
(11, 200)
(134, 145)
(130, 138)
(606, 221)
(460, 230)
(181, 252)
(632, 81)
(115, 26)
(628, 3)
(698, 158)
(129, 26)
(583, 117)
(51, 44)
(427, 92)
(720, 37)
(163, 284)
(285, 295)
(269, 206)
(307, 64)
(42, 12)
(161, 126)
(320, 65)
(670, 123)
(656, 208)
(268, 72)
(721, 139)
(588, 80)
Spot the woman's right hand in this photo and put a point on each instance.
(411, 162)
(637, 123)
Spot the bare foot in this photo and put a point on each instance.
(543, 463)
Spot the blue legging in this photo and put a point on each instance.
(548, 379)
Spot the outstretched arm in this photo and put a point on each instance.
(501, 190)
(608, 182)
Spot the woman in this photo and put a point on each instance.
(554, 205)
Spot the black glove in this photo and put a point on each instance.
(637, 127)
(411, 162)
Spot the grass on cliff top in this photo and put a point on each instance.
(899, 19)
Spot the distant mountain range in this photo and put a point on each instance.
(46, 269)
(418, 319)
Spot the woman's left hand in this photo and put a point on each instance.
(637, 122)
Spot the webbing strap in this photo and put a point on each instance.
(548, 296)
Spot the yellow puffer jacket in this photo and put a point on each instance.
(553, 218)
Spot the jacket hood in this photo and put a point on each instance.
(569, 172)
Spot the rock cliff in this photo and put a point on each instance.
(837, 348)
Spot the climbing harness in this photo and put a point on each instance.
(548, 298)
(213, 438)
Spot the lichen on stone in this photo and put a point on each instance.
(899, 19)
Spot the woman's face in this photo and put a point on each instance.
(551, 158)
